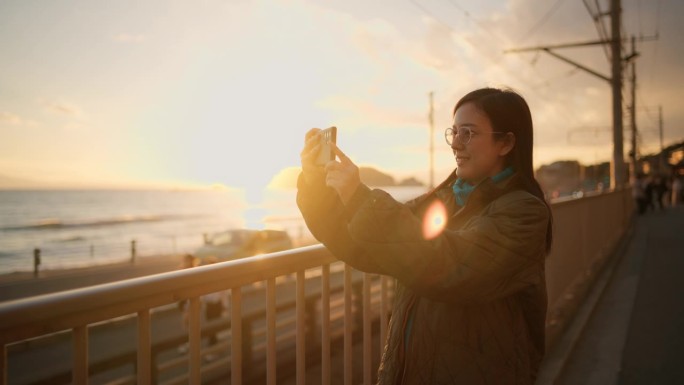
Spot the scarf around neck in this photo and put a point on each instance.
(462, 189)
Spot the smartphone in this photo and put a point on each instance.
(326, 154)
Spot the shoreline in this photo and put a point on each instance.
(22, 284)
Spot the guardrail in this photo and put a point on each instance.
(585, 234)
(76, 309)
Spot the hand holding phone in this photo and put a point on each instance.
(326, 154)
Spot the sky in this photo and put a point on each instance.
(209, 92)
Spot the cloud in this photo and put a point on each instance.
(10, 118)
(129, 38)
(64, 108)
(15, 120)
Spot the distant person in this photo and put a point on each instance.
(639, 193)
(659, 191)
(649, 191)
(470, 303)
(676, 197)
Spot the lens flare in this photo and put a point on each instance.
(435, 220)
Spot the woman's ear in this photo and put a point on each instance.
(509, 143)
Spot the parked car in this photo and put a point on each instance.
(240, 243)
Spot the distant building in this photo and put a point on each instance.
(560, 178)
(664, 163)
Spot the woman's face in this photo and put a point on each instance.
(483, 156)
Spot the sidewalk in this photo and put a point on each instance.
(633, 333)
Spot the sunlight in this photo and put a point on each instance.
(435, 220)
(285, 179)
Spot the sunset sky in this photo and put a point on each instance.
(183, 93)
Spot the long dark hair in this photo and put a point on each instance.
(509, 112)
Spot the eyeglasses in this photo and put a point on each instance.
(463, 134)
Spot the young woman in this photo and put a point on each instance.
(470, 303)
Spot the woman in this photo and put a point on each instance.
(470, 303)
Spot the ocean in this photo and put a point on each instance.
(94, 227)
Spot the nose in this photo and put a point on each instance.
(456, 144)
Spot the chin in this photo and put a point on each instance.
(463, 174)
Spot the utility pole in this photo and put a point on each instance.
(431, 118)
(617, 177)
(633, 157)
(662, 147)
(660, 126)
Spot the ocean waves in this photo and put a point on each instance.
(55, 224)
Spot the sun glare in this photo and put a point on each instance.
(434, 220)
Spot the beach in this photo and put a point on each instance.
(18, 285)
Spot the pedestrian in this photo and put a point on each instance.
(649, 192)
(660, 189)
(676, 190)
(639, 193)
(470, 302)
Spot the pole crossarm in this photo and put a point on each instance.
(556, 46)
(548, 49)
(575, 45)
(580, 66)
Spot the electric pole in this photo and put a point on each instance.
(617, 177)
(617, 166)
(660, 126)
(633, 157)
(431, 118)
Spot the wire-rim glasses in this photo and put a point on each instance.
(463, 134)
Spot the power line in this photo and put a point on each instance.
(567, 114)
(543, 19)
(598, 23)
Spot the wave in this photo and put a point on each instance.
(54, 224)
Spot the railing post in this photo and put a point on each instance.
(80, 355)
(154, 369)
(325, 325)
(311, 327)
(300, 344)
(247, 341)
(144, 363)
(358, 306)
(236, 335)
(3, 365)
(348, 326)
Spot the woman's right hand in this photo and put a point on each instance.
(309, 154)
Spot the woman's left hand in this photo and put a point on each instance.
(342, 176)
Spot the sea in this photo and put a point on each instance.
(77, 228)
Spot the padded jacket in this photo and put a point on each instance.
(470, 304)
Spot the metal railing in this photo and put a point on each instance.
(586, 231)
(77, 309)
(586, 234)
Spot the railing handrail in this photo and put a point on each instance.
(26, 318)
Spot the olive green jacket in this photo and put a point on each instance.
(470, 304)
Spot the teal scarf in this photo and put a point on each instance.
(462, 189)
